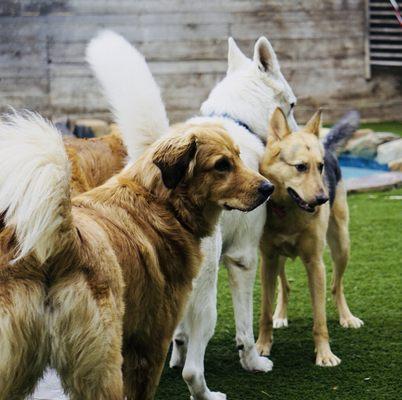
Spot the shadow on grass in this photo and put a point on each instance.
(370, 367)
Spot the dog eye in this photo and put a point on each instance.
(292, 106)
(223, 165)
(301, 167)
(320, 167)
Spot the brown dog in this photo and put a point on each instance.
(93, 161)
(305, 174)
(118, 261)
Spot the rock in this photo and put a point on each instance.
(366, 146)
(387, 136)
(98, 127)
(388, 152)
(396, 165)
(361, 132)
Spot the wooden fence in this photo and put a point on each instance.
(320, 45)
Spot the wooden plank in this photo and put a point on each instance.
(308, 29)
(386, 63)
(386, 46)
(386, 37)
(216, 49)
(385, 54)
(101, 7)
(397, 30)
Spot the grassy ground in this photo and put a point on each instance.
(371, 365)
(395, 127)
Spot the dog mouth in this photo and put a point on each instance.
(300, 202)
(260, 201)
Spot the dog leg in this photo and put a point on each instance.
(193, 371)
(180, 343)
(339, 244)
(200, 320)
(86, 340)
(24, 350)
(143, 365)
(242, 272)
(281, 310)
(316, 278)
(271, 264)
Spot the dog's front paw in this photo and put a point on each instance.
(211, 396)
(251, 361)
(351, 322)
(280, 323)
(327, 359)
(263, 348)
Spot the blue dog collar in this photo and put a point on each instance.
(238, 122)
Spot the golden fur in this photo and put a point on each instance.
(93, 161)
(291, 231)
(128, 252)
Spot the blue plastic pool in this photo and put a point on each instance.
(354, 172)
(356, 167)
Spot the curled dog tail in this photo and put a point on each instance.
(34, 184)
(130, 89)
(341, 131)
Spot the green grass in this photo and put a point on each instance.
(391, 126)
(371, 365)
(395, 127)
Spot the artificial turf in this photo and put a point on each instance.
(392, 126)
(371, 365)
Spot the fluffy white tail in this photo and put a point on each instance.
(34, 183)
(130, 90)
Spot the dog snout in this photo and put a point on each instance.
(321, 199)
(266, 189)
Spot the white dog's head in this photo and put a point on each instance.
(252, 89)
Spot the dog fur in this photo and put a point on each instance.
(118, 261)
(247, 96)
(308, 205)
(93, 161)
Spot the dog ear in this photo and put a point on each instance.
(278, 126)
(173, 157)
(235, 56)
(314, 124)
(265, 57)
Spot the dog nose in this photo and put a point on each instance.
(321, 199)
(266, 189)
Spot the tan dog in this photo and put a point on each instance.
(93, 161)
(305, 175)
(118, 261)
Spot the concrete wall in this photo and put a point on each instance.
(320, 45)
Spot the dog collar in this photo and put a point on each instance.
(240, 123)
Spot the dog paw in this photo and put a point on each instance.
(252, 362)
(262, 364)
(327, 359)
(264, 349)
(211, 396)
(280, 323)
(351, 322)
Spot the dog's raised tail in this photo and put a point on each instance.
(130, 89)
(34, 184)
(342, 130)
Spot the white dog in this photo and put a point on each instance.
(243, 102)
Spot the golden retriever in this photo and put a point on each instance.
(93, 283)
